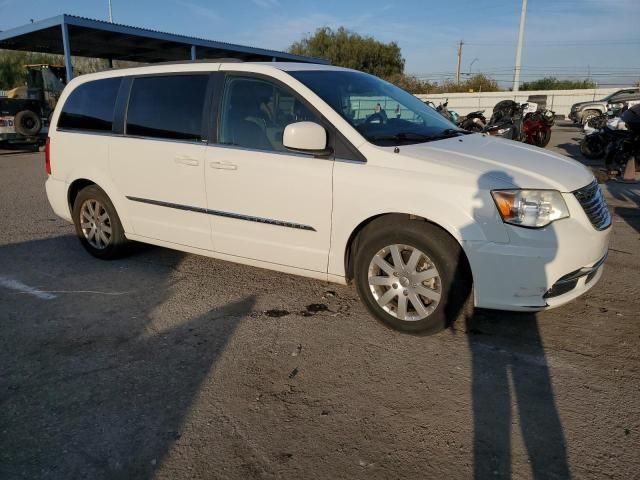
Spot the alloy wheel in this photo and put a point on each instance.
(95, 224)
(405, 282)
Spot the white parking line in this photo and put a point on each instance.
(22, 288)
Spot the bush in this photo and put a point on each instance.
(552, 83)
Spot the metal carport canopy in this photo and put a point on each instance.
(70, 35)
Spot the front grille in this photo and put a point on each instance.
(592, 201)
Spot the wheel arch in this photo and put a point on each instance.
(356, 235)
(74, 189)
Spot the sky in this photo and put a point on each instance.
(564, 38)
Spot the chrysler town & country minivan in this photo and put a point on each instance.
(327, 173)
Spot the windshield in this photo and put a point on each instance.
(383, 113)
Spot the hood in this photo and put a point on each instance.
(580, 105)
(509, 162)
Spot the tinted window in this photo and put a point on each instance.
(383, 113)
(90, 106)
(256, 112)
(167, 106)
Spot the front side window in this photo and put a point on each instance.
(255, 113)
(383, 113)
(167, 107)
(90, 107)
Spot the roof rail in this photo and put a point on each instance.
(198, 60)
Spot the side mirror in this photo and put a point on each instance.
(306, 137)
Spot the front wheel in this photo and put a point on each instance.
(542, 137)
(411, 275)
(97, 224)
(592, 147)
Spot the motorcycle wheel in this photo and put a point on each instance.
(592, 148)
(543, 137)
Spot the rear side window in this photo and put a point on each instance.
(169, 107)
(90, 106)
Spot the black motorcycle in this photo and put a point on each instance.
(594, 145)
(505, 121)
(625, 146)
(512, 120)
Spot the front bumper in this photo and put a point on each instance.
(526, 274)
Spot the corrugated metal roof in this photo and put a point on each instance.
(103, 39)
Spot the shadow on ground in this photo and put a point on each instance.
(629, 194)
(510, 377)
(87, 391)
(15, 148)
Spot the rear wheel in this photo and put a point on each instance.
(27, 123)
(411, 275)
(97, 224)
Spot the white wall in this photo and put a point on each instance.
(559, 101)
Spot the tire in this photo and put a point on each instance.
(592, 148)
(588, 115)
(543, 137)
(101, 237)
(440, 262)
(27, 123)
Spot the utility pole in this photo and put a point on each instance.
(516, 70)
(110, 13)
(459, 61)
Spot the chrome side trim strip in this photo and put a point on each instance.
(219, 213)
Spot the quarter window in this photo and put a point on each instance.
(255, 113)
(168, 107)
(90, 106)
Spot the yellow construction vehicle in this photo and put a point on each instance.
(25, 111)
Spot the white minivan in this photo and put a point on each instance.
(327, 173)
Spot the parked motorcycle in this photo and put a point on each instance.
(626, 145)
(443, 110)
(602, 130)
(521, 122)
(474, 122)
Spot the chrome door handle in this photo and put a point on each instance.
(223, 165)
(187, 160)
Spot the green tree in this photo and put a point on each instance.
(553, 83)
(12, 71)
(477, 83)
(348, 49)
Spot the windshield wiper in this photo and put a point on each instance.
(417, 137)
(401, 137)
(448, 133)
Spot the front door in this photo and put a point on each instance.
(267, 203)
(159, 163)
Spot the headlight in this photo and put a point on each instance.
(615, 106)
(502, 131)
(530, 208)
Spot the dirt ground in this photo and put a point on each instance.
(167, 365)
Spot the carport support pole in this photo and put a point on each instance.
(193, 52)
(67, 51)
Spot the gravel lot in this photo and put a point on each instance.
(167, 365)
